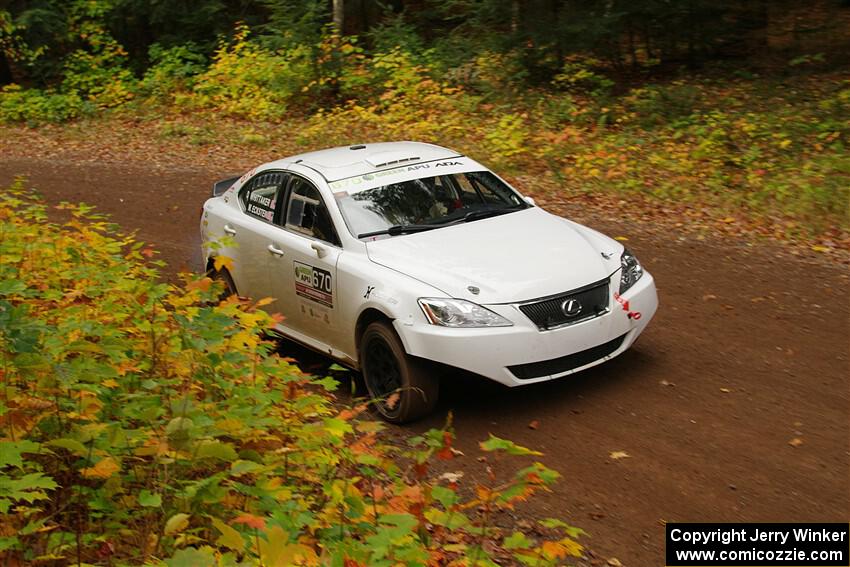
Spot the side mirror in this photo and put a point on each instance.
(530, 201)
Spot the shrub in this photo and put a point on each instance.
(97, 71)
(172, 69)
(661, 104)
(508, 138)
(581, 74)
(248, 80)
(35, 106)
(144, 422)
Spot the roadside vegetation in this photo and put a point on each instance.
(142, 422)
(571, 119)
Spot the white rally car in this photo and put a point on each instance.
(388, 256)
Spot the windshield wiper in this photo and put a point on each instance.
(487, 213)
(397, 229)
(482, 214)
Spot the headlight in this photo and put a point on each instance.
(631, 271)
(460, 313)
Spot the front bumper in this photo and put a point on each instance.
(494, 352)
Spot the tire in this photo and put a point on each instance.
(224, 277)
(388, 370)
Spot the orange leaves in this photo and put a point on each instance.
(103, 469)
(200, 284)
(24, 413)
(392, 400)
(446, 453)
(561, 549)
(351, 413)
(174, 412)
(250, 520)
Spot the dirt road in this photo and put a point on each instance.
(733, 406)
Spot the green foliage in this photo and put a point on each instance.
(497, 84)
(172, 70)
(507, 139)
(580, 74)
(249, 80)
(97, 70)
(35, 106)
(657, 105)
(149, 423)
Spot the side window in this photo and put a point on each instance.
(260, 195)
(307, 213)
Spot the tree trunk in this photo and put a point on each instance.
(339, 15)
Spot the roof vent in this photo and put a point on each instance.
(383, 159)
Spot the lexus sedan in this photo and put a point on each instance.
(389, 257)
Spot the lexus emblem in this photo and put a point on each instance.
(571, 307)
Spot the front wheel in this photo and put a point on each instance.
(224, 277)
(399, 385)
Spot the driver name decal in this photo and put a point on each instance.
(261, 206)
(314, 284)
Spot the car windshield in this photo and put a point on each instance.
(428, 202)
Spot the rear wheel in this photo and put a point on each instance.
(400, 385)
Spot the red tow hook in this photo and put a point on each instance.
(624, 303)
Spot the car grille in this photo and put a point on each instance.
(548, 313)
(565, 363)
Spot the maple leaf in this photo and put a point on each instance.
(264, 301)
(223, 262)
(104, 468)
(553, 550)
(202, 284)
(617, 455)
(250, 520)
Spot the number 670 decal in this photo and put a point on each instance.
(314, 284)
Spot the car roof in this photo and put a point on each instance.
(348, 161)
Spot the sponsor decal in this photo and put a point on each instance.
(314, 284)
(246, 176)
(369, 289)
(367, 180)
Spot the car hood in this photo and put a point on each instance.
(509, 258)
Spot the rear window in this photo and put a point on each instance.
(260, 196)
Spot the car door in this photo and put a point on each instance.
(304, 275)
(252, 232)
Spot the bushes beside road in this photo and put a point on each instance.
(769, 150)
(145, 422)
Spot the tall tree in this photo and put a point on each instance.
(339, 15)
